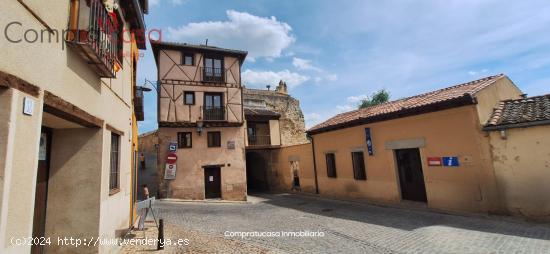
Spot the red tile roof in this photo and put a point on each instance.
(449, 97)
(520, 113)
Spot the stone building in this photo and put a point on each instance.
(69, 108)
(291, 120)
(274, 119)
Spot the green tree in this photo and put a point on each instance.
(376, 98)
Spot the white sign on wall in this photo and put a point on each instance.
(170, 172)
(28, 106)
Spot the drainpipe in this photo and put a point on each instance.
(314, 163)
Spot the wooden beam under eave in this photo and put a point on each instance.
(63, 109)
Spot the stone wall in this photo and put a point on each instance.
(292, 126)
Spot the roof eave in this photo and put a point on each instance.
(466, 99)
(515, 125)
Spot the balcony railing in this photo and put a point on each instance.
(95, 35)
(259, 140)
(210, 74)
(213, 113)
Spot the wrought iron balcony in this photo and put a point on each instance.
(94, 33)
(213, 113)
(259, 140)
(215, 75)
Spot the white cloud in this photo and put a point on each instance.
(474, 73)
(356, 98)
(260, 36)
(263, 78)
(331, 77)
(304, 64)
(425, 46)
(173, 2)
(312, 119)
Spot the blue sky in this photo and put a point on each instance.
(333, 53)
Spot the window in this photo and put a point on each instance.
(115, 163)
(212, 100)
(214, 139)
(213, 107)
(358, 160)
(331, 165)
(187, 59)
(213, 69)
(185, 140)
(189, 98)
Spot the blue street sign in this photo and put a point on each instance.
(173, 147)
(369, 141)
(450, 161)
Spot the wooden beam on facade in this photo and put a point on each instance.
(65, 110)
(11, 81)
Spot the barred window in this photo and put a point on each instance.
(358, 160)
(114, 182)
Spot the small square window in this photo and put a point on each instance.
(187, 59)
(189, 98)
(185, 140)
(214, 139)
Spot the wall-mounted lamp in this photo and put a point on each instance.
(199, 127)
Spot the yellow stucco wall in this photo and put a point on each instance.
(452, 132)
(281, 178)
(489, 97)
(522, 169)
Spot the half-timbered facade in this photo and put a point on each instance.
(200, 111)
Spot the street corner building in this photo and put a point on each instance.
(69, 108)
(474, 147)
(201, 124)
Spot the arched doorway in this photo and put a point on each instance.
(256, 172)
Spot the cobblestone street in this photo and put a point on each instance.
(355, 228)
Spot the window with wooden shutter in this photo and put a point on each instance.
(214, 139)
(185, 140)
(358, 160)
(331, 165)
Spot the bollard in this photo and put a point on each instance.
(160, 242)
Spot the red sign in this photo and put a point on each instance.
(434, 161)
(171, 158)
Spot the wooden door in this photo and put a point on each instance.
(41, 194)
(411, 178)
(212, 182)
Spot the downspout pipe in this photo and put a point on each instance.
(314, 163)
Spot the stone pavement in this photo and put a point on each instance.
(350, 227)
